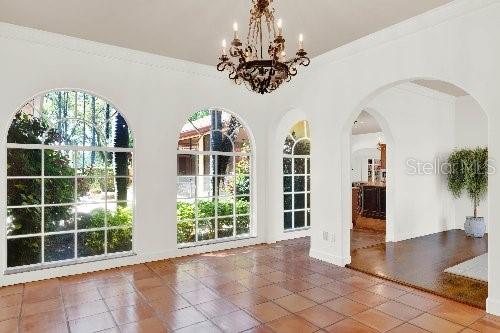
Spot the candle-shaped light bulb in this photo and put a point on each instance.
(301, 41)
(224, 45)
(283, 55)
(235, 29)
(280, 27)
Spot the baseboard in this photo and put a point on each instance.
(403, 237)
(68, 270)
(330, 258)
(493, 306)
(140, 258)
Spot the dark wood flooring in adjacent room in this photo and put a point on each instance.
(365, 238)
(420, 262)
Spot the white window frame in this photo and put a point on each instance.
(307, 189)
(250, 196)
(42, 205)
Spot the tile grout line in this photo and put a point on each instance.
(223, 297)
(64, 307)
(107, 307)
(241, 261)
(20, 309)
(194, 306)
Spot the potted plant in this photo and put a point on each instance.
(469, 172)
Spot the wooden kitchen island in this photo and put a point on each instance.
(368, 206)
(373, 200)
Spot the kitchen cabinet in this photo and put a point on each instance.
(373, 201)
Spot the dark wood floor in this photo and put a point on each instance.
(366, 223)
(365, 238)
(420, 262)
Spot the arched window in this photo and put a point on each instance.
(296, 178)
(69, 181)
(214, 179)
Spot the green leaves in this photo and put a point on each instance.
(206, 218)
(185, 211)
(200, 114)
(469, 172)
(456, 175)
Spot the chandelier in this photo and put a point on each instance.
(247, 64)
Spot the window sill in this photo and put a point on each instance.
(297, 229)
(38, 267)
(213, 242)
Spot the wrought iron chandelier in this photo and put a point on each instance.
(261, 75)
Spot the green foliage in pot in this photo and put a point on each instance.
(469, 172)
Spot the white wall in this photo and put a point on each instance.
(426, 126)
(421, 122)
(359, 163)
(275, 231)
(471, 130)
(156, 95)
(364, 147)
(457, 43)
(369, 140)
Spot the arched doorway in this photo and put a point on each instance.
(428, 120)
(370, 142)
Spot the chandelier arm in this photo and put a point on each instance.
(221, 67)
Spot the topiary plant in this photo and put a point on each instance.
(469, 172)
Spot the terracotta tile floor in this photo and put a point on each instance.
(266, 288)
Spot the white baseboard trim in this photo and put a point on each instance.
(493, 306)
(402, 237)
(221, 246)
(291, 235)
(330, 258)
(67, 270)
(140, 258)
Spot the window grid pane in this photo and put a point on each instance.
(218, 205)
(296, 179)
(69, 177)
(82, 204)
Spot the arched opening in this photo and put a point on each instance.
(69, 181)
(426, 246)
(296, 178)
(214, 179)
(368, 158)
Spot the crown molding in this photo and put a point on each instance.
(427, 20)
(393, 33)
(111, 52)
(410, 87)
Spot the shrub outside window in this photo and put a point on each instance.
(69, 181)
(213, 179)
(297, 178)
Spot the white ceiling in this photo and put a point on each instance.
(365, 124)
(193, 29)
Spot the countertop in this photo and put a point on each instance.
(371, 184)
